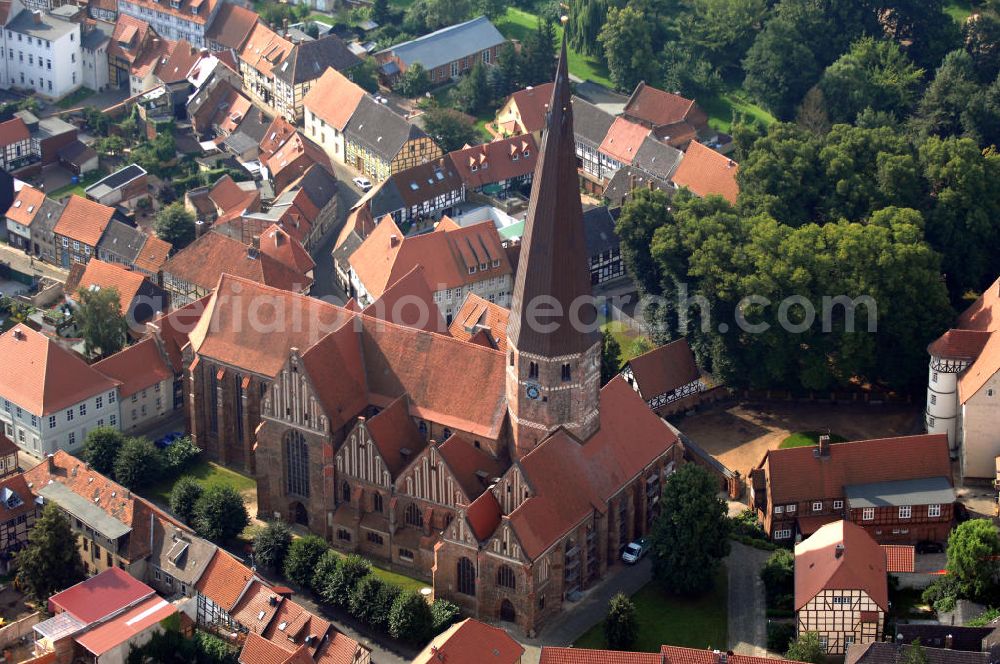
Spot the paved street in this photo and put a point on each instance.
(325, 284)
(21, 262)
(747, 605)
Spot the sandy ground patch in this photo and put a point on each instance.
(739, 434)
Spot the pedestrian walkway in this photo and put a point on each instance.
(21, 262)
(747, 604)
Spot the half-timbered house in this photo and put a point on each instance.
(667, 378)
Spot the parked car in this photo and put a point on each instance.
(169, 439)
(927, 546)
(634, 551)
(363, 183)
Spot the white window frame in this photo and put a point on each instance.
(868, 514)
(838, 504)
(791, 508)
(784, 533)
(779, 509)
(905, 511)
(818, 506)
(933, 510)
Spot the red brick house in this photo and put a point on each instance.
(898, 489)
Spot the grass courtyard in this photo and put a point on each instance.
(807, 439)
(667, 620)
(205, 473)
(79, 187)
(631, 343)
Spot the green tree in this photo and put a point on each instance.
(806, 648)
(450, 129)
(50, 562)
(505, 76)
(685, 72)
(175, 225)
(101, 321)
(220, 514)
(445, 614)
(381, 11)
(538, 54)
(924, 27)
(473, 94)
(874, 74)
(627, 38)
(138, 463)
(778, 575)
(811, 114)
(184, 497)
(414, 82)
(718, 32)
(955, 104)
(338, 589)
(586, 18)
(101, 447)
(270, 544)
(491, 9)
(974, 559)
(180, 454)
(365, 75)
(981, 35)
(410, 618)
(326, 569)
(610, 356)
(301, 559)
(691, 535)
(913, 654)
(363, 600)
(621, 628)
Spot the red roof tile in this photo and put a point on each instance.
(127, 626)
(623, 140)
(263, 49)
(174, 328)
(182, 59)
(552, 655)
(984, 313)
(100, 596)
(409, 301)
(704, 171)
(959, 344)
(137, 367)
(532, 103)
(840, 556)
(393, 431)
(484, 514)
(231, 26)
(797, 474)
(493, 162)
(101, 275)
(473, 468)
(256, 608)
(899, 558)
(13, 131)
(42, 377)
(153, 255)
(662, 108)
(480, 315)
(282, 247)
(664, 369)
(25, 205)
(333, 98)
(224, 580)
(473, 642)
(681, 655)
(982, 370)
(84, 220)
(334, 367)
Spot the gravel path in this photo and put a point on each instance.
(747, 607)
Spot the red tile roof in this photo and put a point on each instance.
(282, 247)
(263, 49)
(153, 255)
(393, 431)
(231, 26)
(662, 108)
(256, 608)
(681, 655)
(796, 474)
(100, 596)
(18, 485)
(623, 140)
(101, 275)
(296, 156)
(334, 365)
(984, 313)
(473, 468)
(42, 377)
(704, 171)
(479, 315)
(473, 642)
(213, 254)
(553, 655)
(13, 131)
(484, 515)
(224, 580)
(174, 328)
(532, 103)
(840, 556)
(137, 367)
(899, 558)
(277, 133)
(127, 626)
(258, 650)
(84, 220)
(981, 371)
(25, 205)
(409, 301)
(333, 98)
(128, 38)
(182, 59)
(500, 160)
(664, 369)
(959, 344)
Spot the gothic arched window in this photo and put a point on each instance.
(505, 577)
(345, 492)
(466, 577)
(413, 516)
(297, 464)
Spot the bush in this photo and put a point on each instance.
(779, 635)
(364, 598)
(620, 627)
(806, 648)
(138, 463)
(778, 575)
(351, 570)
(386, 598)
(220, 514)
(326, 569)
(942, 594)
(746, 524)
(270, 545)
(101, 448)
(181, 454)
(303, 554)
(183, 498)
(445, 614)
(985, 618)
(410, 618)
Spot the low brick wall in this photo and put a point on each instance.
(14, 631)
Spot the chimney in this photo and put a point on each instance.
(36, 17)
(824, 445)
(949, 641)
(50, 459)
(393, 240)
(19, 335)
(838, 551)
(279, 238)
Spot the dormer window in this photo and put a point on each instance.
(474, 168)
(514, 157)
(483, 266)
(472, 269)
(526, 153)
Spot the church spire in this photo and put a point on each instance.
(554, 263)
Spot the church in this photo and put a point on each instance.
(503, 472)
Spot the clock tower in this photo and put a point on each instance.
(553, 341)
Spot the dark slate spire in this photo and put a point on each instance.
(554, 261)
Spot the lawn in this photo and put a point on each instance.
(77, 188)
(517, 24)
(807, 439)
(667, 620)
(321, 18)
(958, 9)
(205, 473)
(73, 100)
(631, 343)
(720, 108)
(401, 580)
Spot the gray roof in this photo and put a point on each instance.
(52, 126)
(386, 199)
(380, 129)
(97, 35)
(599, 226)
(607, 100)
(49, 27)
(116, 180)
(925, 491)
(890, 653)
(656, 158)
(308, 60)
(180, 553)
(589, 122)
(627, 178)
(84, 510)
(342, 254)
(122, 240)
(448, 44)
(48, 214)
(319, 185)
(962, 638)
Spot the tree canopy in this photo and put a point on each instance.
(50, 562)
(101, 321)
(974, 559)
(175, 225)
(220, 514)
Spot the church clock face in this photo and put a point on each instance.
(531, 391)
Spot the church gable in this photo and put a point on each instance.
(460, 531)
(512, 489)
(359, 458)
(291, 398)
(429, 478)
(505, 543)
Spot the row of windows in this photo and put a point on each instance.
(37, 40)
(905, 512)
